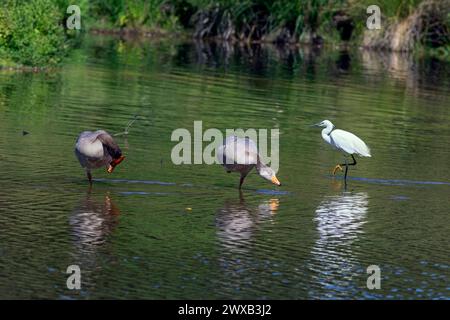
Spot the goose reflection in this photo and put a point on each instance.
(236, 222)
(93, 220)
(237, 225)
(340, 220)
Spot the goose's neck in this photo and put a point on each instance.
(260, 165)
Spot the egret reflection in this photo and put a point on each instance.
(340, 220)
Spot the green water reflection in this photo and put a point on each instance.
(157, 230)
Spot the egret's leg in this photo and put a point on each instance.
(339, 166)
(349, 164)
(346, 168)
(346, 171)
(354, 161)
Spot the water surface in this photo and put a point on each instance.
(156, 230)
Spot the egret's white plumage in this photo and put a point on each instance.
(343, 141)
(241, 155)
(349, 143)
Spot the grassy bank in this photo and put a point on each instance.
(33, 33)
(407, 25)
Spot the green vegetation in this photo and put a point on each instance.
(32, 33)
(274, 21)
(419, 26)
(134, 14)
(427, 22)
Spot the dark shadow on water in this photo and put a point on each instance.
(144, 193)
(292, 61)
(273, 192)
(343, 63)
(398, 182)
(392, 182)
(162, 183)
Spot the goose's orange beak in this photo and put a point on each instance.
(275, 181)
(114, 163)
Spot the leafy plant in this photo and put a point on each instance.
(31, 33)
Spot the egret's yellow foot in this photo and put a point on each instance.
(338, 167)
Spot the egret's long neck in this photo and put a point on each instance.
(326, 133)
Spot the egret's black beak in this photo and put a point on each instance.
(315, 125)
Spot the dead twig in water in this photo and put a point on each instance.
(127, 127)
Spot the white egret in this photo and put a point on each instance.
(343, 141)
(97, 149)
(241, 155)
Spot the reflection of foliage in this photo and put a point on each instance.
(31, 33)
(31, 97)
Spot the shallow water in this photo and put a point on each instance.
(156, 230)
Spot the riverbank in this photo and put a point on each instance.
(34, 34)
(415, 26)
